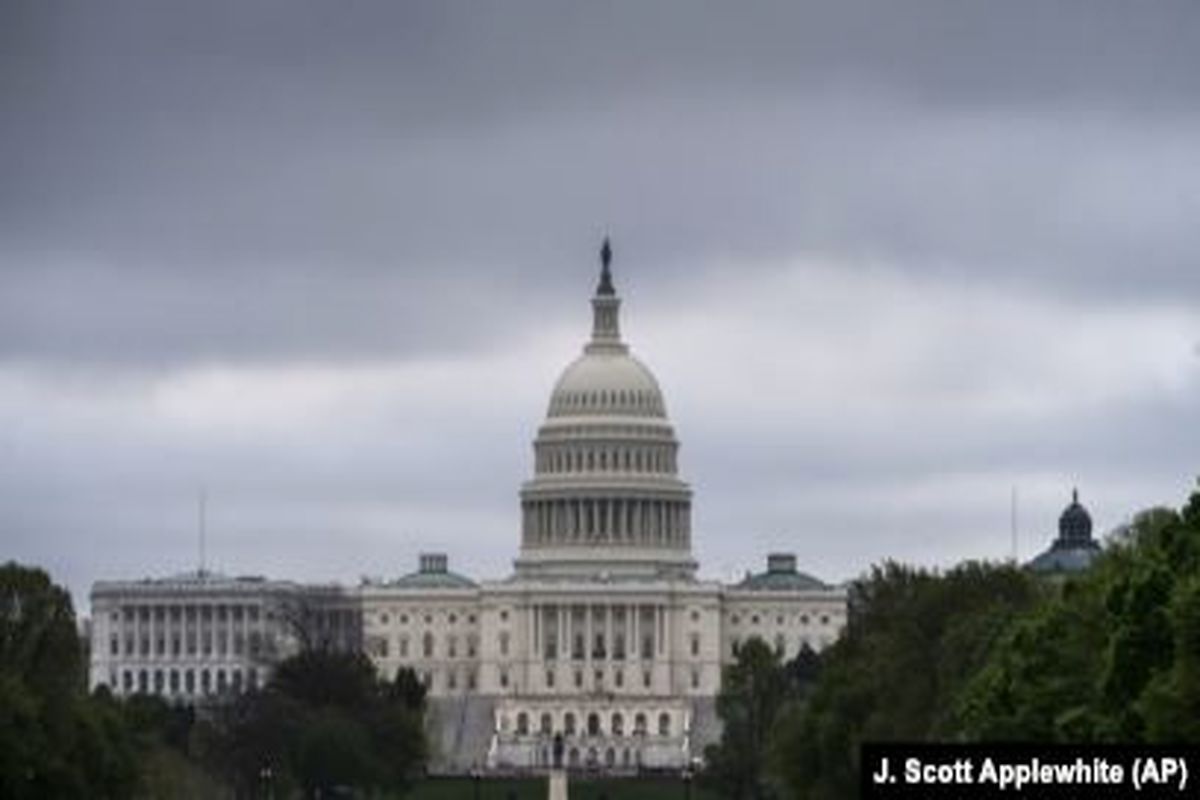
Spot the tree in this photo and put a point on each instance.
(55, 741)
(753, 691)
(324, 722)
(1114, 657)
(913, 640)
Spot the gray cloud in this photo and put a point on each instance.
(328, 259)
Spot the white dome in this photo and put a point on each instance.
(606, 383)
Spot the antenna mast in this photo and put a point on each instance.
(202, 512)
(1012, 522)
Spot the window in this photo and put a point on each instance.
(427, 645)
(593, 724)
(734, 647)
(189, 681)
(504, 679)
(114, 645)
(522, 724)
(546, 726)
(578, 678)
(504, 615)
(504, 643)
(618, 724)
(639, 724)
(646, 678)
(695, 644)
(404, 647)
(452, 647)
(664, 724)
(695, 679)
(452, 680)
(619, 678)
(550, 678)
(569, 724)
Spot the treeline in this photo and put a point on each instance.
(325, 723)
(982, 652)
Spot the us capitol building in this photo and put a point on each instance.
(603, 635)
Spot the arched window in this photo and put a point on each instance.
(618, 724)
(639, 723)
(569, 723)
(547, 724)
(427, 645)
(522, 724)
(593, 724)
(664, 724)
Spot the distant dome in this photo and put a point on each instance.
(1074, 549)
(607, 383)
(1075, 523)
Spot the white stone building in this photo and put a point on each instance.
(603, 635)
(201, 635)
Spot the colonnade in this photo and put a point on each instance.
(618, 520)
(598, 632)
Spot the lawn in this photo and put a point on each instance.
(579, 789)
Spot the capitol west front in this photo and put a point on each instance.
(603, 636)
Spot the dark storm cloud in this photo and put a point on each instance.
(327, 258)
(167, 160)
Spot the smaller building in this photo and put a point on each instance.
(201, 635)
(1074, 549)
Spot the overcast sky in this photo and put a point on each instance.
(889, 260)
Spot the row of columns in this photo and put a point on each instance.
(665, 523)
(619, 459)
(641, 633)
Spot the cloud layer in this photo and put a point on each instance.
(888, 262)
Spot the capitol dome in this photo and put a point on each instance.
(605, 498)
(608, 384)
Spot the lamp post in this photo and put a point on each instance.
(687, 783)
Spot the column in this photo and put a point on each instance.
(608, 632)
(587, 636)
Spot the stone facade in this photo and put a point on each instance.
(603, 639)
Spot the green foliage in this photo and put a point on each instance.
(325, 722)
(54, 740)
(913, 639)
(757, 691)
(1113, 657)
